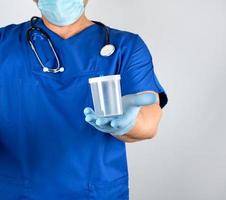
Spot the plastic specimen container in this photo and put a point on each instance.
(106, 95)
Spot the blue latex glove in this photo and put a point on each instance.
(120, 125)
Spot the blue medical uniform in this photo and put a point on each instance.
(47, 150)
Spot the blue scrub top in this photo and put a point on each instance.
(47, 150)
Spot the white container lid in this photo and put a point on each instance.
(105, 78)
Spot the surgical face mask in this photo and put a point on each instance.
(61, 12)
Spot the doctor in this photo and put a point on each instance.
(52, 145)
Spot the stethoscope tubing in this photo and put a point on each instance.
(106, 51)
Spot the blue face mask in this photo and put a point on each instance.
(61, 12)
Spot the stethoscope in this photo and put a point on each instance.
(106, 51)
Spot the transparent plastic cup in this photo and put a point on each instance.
(106, 95)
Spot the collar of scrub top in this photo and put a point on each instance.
(107, 50)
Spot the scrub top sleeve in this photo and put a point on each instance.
(138, 75)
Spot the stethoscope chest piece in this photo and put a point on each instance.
(107, 50)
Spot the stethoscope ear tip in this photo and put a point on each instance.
(46, 70)
(61, 69)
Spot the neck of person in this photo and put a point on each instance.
(66, 32)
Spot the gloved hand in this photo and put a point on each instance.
(120, 125)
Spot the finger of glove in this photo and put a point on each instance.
(88, 110)
(143, 99)
(90, 118)
(101, 121)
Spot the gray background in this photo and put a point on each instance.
(187, 160)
